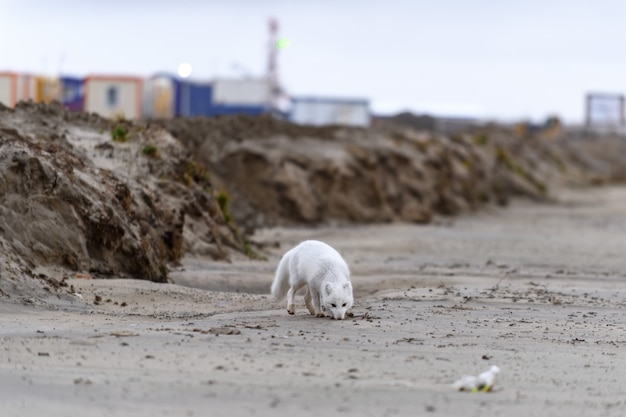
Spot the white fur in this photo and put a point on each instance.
(323, 271)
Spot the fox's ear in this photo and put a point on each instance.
(347, 285)
(329, 288)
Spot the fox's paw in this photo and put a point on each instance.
(291, 309)
(320, 314)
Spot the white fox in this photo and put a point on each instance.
(320, 267)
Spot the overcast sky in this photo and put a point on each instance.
(508, 60)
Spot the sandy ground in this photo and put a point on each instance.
(539, 290)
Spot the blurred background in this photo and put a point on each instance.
(485, 59)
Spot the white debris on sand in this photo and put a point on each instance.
(483, 382)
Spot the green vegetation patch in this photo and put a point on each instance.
(150, 151)
(119, 133)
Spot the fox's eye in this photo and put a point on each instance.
(333, 305)
(343, 305)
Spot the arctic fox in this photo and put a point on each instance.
(322, 269)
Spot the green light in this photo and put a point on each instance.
(283, 43)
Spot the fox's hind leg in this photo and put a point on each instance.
(307, 301)
(291, 299)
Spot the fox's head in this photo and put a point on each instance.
(337, 299)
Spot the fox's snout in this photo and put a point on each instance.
(339, 315)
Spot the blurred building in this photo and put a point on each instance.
(159, 96)
(114, 96)
(247, 96)
(164, 96)
(319, 111)
(16, 87)
(168, 96)
(605, 112)
(73, 93)
(47, 89)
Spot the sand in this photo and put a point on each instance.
(537, 289)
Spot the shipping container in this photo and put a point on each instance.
(245, 93)
(193, 98)
(72, 93)
(114, 96)
(48, 89)
(8, 88)
(159, 96)
(26, 87)
(318, 111)
(15, 87)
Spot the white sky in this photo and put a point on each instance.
(499, 59)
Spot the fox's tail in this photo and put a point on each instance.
(280, 286)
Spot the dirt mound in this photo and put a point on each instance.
(602, 155)
(408, 120)
(219, 131)
(100, 197)
(279, 173)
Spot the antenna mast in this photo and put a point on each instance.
(272, 64)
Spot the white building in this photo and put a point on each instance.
(114, 96)
(246, 92)
(318, 111)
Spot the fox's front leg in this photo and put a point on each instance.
(307, 301)
(317, 309)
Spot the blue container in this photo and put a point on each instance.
(192, 98)
(73, 93)
(223, 109)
